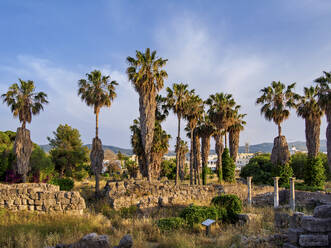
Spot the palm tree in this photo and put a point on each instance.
(194, 111)
(176, 100)
(324, 100)
(220, 113)
(147, 77)
(234, 133)
(206, 129)
(182, 150)
(24, 102)
(97, 91)
(309, 109)
(196, 156)
(160, 141)
(276, 101)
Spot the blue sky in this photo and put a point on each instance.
(236, 47)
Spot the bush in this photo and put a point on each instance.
(197, 214)
(66, 184)
(284, 172)
(128, 213)
(297, 162)
(324, 159)
(260, 168)
(315, 172)
(168, 169)
(228, 167)
(80, 174)
(169, 224)
(232, 205)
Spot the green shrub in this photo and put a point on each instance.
(232, 205)
(297, 162)
(260, 168)
(128, 213)
(304, 187)
(284, 172)
(168, 169)
(228, 167)
(315, 172)
(108, 211)
(324, 158)
(169, 224)
(66, 184)
(197, 214)
(81, 174)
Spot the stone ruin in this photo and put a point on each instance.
(307, 231)
(144, 194)
(40, 197)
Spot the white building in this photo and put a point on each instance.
(243, 159)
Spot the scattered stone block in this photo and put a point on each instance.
(323, 211)
(316, 225)
(311, 240)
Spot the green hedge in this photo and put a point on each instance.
(230, 203)
(197, 214)
(169, 224)
(66, 184)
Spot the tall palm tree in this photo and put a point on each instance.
(234, 133)
(146, 75)
(24, 102)
(220, 113)
(276, 101)
(97, 91)
(324, 100)
(196, 156)
(176, 100)
(160, 141)
(309, 109)
(205, 129)
(194, 111)
(182, 151)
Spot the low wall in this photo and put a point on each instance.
(40, 197)
(153, 194)
(309, 231)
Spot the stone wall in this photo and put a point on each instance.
(307, 231)
(40, 197)
(149, 195)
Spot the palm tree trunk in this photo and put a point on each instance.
(197, 157)
(147, 106)
(234, 144)
(23, 124)
(191, 158)
(205, 148)
(219, 148)
(279, 130)
(97, 125)
(312, 131)
(177, 152)
(328, 136)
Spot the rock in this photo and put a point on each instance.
(281, 220)
(246, 218)
(288, 245)
(92, 240)
(313, 224)
(280, 152)
(295, 219)
(323, 211)
(97, 156)
(293, 234)
(126, 242)
(309, 240)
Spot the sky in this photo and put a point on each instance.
(236, 47)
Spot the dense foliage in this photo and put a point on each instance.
(168, 169)
(169, 224)
(314, 172)
(231, 203)
(68, 152)
(284, 172)
(197, 214)
(228, 167)
(260, 168)
(66, 184)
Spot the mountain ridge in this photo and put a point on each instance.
(265, 147)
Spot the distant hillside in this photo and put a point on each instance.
(267, 147)
(263, 147)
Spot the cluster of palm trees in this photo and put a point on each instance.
(215, 117)
(147, 75)
(277, 100)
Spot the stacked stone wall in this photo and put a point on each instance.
(310, 231)
(40, 197)
(153, 194)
